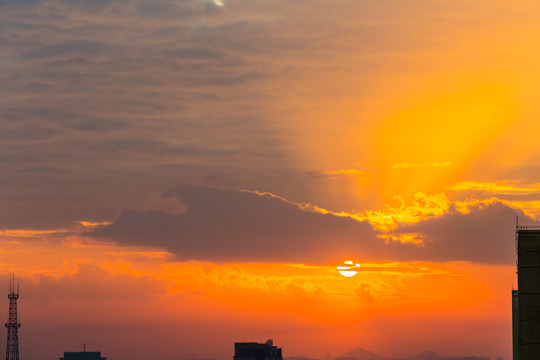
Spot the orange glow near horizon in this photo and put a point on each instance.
(309, 290)
(315, 296)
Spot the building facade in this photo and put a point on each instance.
(528, 294)
(515, 325)
(257, 351)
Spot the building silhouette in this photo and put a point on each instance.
(515, 324)
(527, 330)
(257, 351)
(12, 344)
(83, 355)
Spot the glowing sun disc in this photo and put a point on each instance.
(348, 269)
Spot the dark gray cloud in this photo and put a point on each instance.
(72, 48)
(227, 226)
(486, 234)
(102, 94)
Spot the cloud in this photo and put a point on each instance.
(406, 165)
(73, 48)
(485, 234)
(105, 103)
(422, 207)
(505, 187)
(90, 282)
(345, 172)
(240, 226)
(515, 194)
(95, 92)
(414, 238)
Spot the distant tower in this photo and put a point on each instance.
(12, 345)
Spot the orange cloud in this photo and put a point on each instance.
(22, 233)
(406, 165)
(404, 238)
(93, 223)
(422, 207)
(504, 187)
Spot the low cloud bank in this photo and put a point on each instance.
(238, 226)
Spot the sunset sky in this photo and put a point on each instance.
(178, 175)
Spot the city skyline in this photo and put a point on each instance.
(173, 171)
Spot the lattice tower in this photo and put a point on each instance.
(12, 345)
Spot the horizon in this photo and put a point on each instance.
(350, 354)
(174, 171)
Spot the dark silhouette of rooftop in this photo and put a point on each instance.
(83, 355)
(257, 351)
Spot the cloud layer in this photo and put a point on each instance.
(242, 226)
(105, 103)
(227, 225)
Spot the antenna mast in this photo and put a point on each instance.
(12, 345)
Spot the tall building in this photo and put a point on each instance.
(515, 325)
(12, 344)
(257, 351)
(528, 294)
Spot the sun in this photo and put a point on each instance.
(349, 268)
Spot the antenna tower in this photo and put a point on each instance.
(12, 345)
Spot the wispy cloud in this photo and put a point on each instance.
(403, 238)
(345, 172)
(407, 165)
(504, 187)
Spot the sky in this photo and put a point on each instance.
(180, 175)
